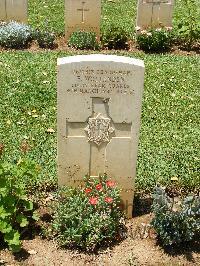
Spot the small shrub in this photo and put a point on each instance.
(45, 39)
(173, 225)
(15, 35)
(89, 216)
(115, 36)
(83, 40)
(154, 40)
(15, 208)
(188, 28)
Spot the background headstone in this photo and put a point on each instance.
(3, 10)
(16, 10)
(82, 15)
(154, 13)
(99, 107)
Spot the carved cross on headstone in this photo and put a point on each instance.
(98, 131)
(83, 10)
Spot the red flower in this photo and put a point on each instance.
(110, 183)
(99, 186)
(88, 190)
(93, 200)
(108, 200)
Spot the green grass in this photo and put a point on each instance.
(169, 139)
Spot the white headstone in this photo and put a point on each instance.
(82, 15)
(16, 10)
(154, 13)
(99, 107)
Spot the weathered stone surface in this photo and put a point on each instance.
(154, 13)
(99, 107)
(82, 15)
(3, 10)
(16, 10)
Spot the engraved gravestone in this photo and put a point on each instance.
(82, 15)
(16, 10)
(154, 13)
(99, 107)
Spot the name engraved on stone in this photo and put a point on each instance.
(83, 11)
(99, 129)
(92, 81)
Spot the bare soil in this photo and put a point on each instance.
(139, 248)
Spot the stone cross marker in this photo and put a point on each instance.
(16, 10)
(82, 15)
(99, 107)
(154, 13)
(83, 12)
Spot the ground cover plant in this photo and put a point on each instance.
(83, 40)
(187, 23)
(16, 210)
(16, 35)
(88, 216)
(169, 139)
(175, 222)
(154, 40)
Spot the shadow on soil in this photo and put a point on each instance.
(22, 255)
(19, 256)
(185, 250)
(141, 205)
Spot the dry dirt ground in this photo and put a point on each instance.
(138, 249)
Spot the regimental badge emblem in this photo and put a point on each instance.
(99, 129)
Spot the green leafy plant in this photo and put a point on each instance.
(115, 36)
(83, 40)
(45, 39)
(15, 35)
(188, 27)
(88, 216)
(175, 224)
(15, 208)
(154, 40)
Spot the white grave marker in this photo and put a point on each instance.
(16, 10)
(154, 13)
(99, 107)
(82, 15)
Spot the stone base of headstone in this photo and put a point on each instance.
(127, 202)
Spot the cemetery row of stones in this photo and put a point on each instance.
(154, 30)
